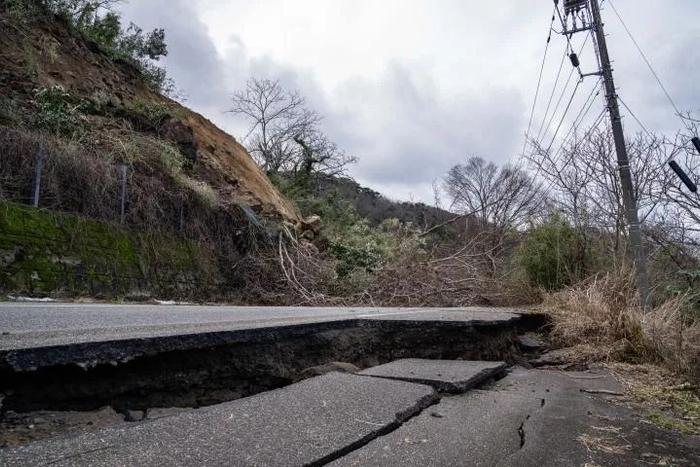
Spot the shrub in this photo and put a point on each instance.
(155, 113)
(8, 111)
(104, 30)
(359, 248)
(549, 254)
(171, 159)
(20, 11)
(58, 111)
(598, 311)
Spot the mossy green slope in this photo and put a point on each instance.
(49, 253)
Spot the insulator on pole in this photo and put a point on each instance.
(696, 143)
(574, 6)
(574, 60)
(683, 176)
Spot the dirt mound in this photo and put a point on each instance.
(50, 54)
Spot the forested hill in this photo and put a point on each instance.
(375, 207)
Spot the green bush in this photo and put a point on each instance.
(550, 254)
(359, 248)
(20, 11)
(154, 112)
(58, 111)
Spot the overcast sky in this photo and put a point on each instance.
(411, 87)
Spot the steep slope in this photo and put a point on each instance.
(49, 54)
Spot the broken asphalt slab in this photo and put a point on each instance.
(308, 423)
(25, 325)
(41, 335)
(530, 418)
(450, 376)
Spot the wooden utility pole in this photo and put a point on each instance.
(626, 182)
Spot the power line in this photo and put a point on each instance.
(649, 65)
(559, 101)
(596, 123)
(539, 167)
(539, 82)
(635, 117)
(566, 111)
(555, 161)
(561, 96)
(554, 90)
(583, 113)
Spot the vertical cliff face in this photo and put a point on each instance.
(47, 54)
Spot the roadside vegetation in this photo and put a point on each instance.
(557, 242)
(553, 237)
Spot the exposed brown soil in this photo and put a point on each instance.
(49, 54)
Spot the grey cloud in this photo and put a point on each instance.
(206, 78)
(403, 127)
(404, 131)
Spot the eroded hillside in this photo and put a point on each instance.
(119, 103)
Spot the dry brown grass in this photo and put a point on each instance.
(603, 312)
(666, 398)
(673, 337)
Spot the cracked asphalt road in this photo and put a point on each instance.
(530, 418)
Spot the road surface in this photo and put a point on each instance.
(30, 325)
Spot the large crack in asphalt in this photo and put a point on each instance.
(223, 368)
(410, 414)
(401, 419)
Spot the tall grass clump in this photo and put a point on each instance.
(603, 313)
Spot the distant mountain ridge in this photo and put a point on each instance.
(375, 207)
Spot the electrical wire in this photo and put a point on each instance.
(594, 126)
(579, 118)
(554, 90)
(639, 122)
(649, 65)
(583, 113)
(561, 96)
(539, 82)
(596, 123)
(566, 111)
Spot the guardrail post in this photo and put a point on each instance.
(181, 216)
(36, 176)
(121, 169)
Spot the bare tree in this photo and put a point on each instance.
(675, 193)
(501, 197)
(285, 134)
(584, 182)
